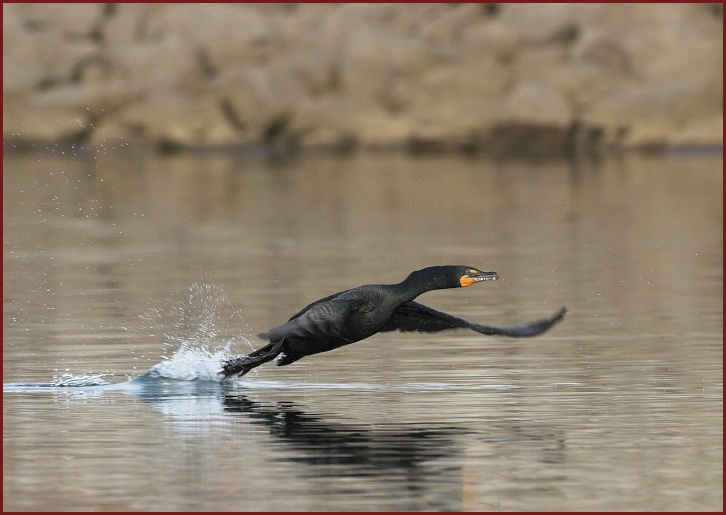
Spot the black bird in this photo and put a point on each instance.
(353, 315)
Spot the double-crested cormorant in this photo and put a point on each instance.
(355, 314)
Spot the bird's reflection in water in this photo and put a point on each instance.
(322, 442)
(422, 465)
(416, 467)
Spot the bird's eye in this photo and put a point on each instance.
(470, 273)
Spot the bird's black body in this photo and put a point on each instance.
(353, 315)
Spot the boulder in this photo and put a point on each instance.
(507, 79)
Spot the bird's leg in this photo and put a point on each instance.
(241, 365)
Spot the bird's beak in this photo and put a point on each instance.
(477, 276)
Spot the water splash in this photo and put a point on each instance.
(82, 380)
(190, 364)
(197, 335)
(199, 331)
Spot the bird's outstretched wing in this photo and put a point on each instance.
(413, 316)
(322, 319)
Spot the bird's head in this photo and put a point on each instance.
(452, 276)
(470, 275)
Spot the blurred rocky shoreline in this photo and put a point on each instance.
(542, 80)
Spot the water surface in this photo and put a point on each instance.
(128, 276)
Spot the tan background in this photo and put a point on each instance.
(538, 79)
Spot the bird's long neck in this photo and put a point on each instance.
(414, 285)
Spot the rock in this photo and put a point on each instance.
(535, 120)
(536, 103)
(20, 69)
(39, 57)
(229, 35)
(144, 65)
(602, 51)
(645, 117)
(500, 40)
(451, 22)
(543, 24)
(257, 100)
(372, 57)
(532, 79)
(72, 20)
(128, 23)
(29, 124)
(700, 132)
(88, 100)
(179, 121)
(315, 58)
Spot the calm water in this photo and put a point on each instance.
(130, 276)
